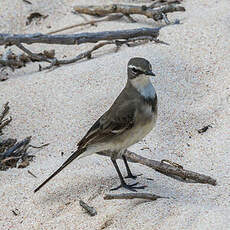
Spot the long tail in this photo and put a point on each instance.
(67, 162)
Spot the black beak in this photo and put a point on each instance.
(150, 73)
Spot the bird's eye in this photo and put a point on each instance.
(134, 70)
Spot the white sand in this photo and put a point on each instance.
(59, 106)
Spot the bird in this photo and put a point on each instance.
(130, 118)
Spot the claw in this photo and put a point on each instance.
(130, 187)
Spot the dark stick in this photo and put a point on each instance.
(134, 195)
(172, 170)
(31, 174)
(39, 147)
(91, 210)
(72, 39)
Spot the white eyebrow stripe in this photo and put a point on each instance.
(135, 67)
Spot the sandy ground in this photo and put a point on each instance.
(59, 106)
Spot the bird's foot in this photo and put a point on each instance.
(130, 175)
(131, 187)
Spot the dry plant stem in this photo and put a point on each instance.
(5, 123)
(19, 147)
(31, 173)
(5, 111)
(39, 147)
(91, 210)
(175, 172)
(88, 54)
(155, 13)
(72, 39)
(135, 195)
(92, 22)
(33, 55)
(163, 3)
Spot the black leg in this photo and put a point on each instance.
(131, 187)
(130, 175)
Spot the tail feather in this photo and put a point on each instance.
(67, 162)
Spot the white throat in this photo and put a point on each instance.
(144, 86)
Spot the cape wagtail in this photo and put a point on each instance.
(130, 118)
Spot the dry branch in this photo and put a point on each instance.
(135, 195)
(17, 61)
(72, 39)
(172, 170)
(154, 13)
(117, 38)
(88, 54)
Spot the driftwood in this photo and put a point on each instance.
(148, 196)
(127, 10)
(117, 38)
(76, 39)
(171, 169)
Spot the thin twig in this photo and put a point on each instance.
(92, 22)
(28, 2)
(88, 54)
(33, 55)
(31, 174)
(91, 210)
(135, 195)
(39, 147)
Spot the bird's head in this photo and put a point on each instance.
(139, 68)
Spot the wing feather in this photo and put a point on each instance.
(114, 122)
